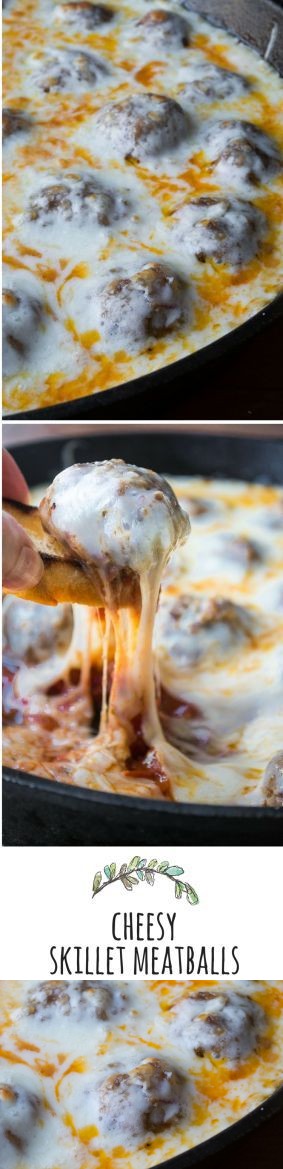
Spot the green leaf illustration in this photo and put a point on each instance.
(174, 871)
(127, 884)
(139, 869)
(134, 863)
(96, 882)
(192, 896)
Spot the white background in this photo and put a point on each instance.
(47, 900)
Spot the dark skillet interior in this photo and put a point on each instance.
(39, 811)
(229, 1137)
(251, 21)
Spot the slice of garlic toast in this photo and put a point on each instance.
(65, 578)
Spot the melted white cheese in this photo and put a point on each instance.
(218, 641)
(64, 1055)
(68, 263)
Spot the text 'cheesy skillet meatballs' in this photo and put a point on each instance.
(136, 138)
(134, 1070)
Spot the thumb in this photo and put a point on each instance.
(22, 565)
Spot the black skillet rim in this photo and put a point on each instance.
(70, 795)
(229, 1136)
(84, 408)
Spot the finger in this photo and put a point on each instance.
(14, 484)
(22, 564)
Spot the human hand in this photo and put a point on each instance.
(22, 564)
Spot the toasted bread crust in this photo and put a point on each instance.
(67, 579)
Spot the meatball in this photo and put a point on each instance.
(33, 632)
(225, 230)
(82, 14)
(241, 152)
(142, 125)
(69, 69)
(238, 549)
(161, 27)
(197, 506)
(76, 197)
(147, 1099)
(272, 789)
(225, 1024)
(208, 83)
(22, 318)
(82, 1000)
(192, 628)
(114, 514)
(19, 1112)
(145, 306)
(14, 122)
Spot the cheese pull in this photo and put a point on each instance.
(66, 578)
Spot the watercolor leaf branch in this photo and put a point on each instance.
(139, 869)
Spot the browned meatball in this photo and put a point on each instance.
(69, 69)
(149, 304)
(85, 999)
(14, 122)
(242, 152)
(34, 632)
(208, 83)
(193, 628)
(22, 317)
(142, 125)
(82, 14)
(162, 27)
(196, 506)
(272, 789)
(19, 1112)
(224, 1024)
(146, 1100)
(76, 197)
(239, 549)
(222, 229)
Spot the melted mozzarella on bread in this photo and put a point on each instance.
(218, 662)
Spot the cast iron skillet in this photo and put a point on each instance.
(229, 1136)
(260, 24)
(41, 811)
